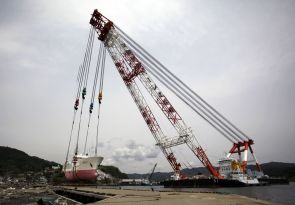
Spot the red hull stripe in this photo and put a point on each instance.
(81, 175)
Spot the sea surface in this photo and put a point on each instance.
(282, 194)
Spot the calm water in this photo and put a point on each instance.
(283, 194)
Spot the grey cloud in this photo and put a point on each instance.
(131, 144)
(133, 151)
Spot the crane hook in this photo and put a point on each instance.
(83, 93)
(76, 104)
(99, 97)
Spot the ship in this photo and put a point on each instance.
(231, 169)
(82, 168)
(231, 172)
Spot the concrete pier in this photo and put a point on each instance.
(124, 197)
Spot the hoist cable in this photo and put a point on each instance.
(82, 67)
(102, 71)
(79, 127)
(97, 72)
(86, 137)
(87, 65)
(87, 60)
(79, 79)
(79, 74)
(93, 94)
(73, 122)
(100, 96)
(87, 56)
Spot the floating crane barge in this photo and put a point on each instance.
(135, 65)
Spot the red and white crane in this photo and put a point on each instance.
(130, 67)
(135, 65)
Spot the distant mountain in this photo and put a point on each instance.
(13, 161)
(274, 169)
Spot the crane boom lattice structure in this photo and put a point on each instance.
(133, 62)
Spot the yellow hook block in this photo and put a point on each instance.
(99, 97)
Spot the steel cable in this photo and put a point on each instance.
(100, 92)
(82, 67)
(79, 79)
(87, 66)
(93, 93)
(176, 91)
(151, 59)
(185, 100)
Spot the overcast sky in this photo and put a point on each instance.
(238, 55)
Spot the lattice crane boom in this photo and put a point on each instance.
(130, 68)
(115, 50)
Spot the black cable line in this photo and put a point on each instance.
(100, 93)
(93, 94)
(160, 76)
(180, 82)
(185, 101)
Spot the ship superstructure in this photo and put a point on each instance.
(231, 169)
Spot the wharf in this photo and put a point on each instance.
(124, 197)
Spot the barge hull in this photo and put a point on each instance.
(206, 183)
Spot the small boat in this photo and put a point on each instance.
(82, 167)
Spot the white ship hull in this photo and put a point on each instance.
(82, 168)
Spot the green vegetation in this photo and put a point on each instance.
(113, 171)
(13, 161)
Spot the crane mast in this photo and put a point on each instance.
(130, 68)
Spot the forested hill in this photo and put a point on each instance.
(14, 161)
